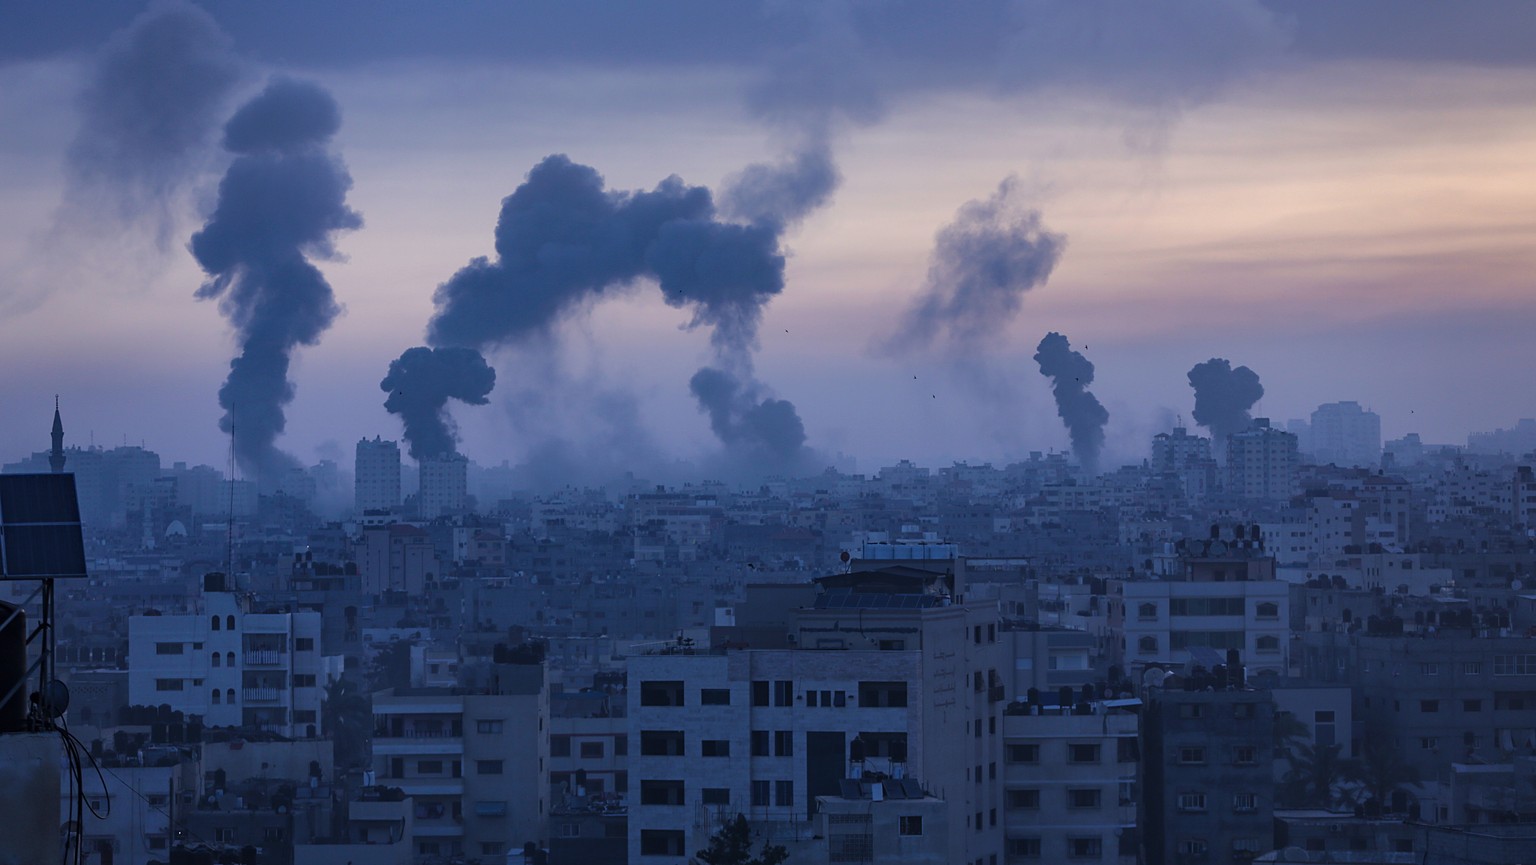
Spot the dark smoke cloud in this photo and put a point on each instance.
(783, 193)
(982, 264)
(280, 202)
(149, 110)
(563, 241)
(754, 426)
(1070, 374)
(1223, 396)
(420, 383)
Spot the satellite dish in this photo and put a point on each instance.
(55, 699)
(1218, 548)
(1516, 584)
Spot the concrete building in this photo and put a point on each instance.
(376, 476)
(231, 662)
(889, 669)
(1070, 781)
(1261, 463)
(444, 486)
(1208, 784)
(472, 761)
(1187, 460)
(1343, 433)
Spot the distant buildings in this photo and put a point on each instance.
(1262, 463)
(1345, 434)
(444, 487)
(376, 476)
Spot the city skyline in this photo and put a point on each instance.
(1344, 209)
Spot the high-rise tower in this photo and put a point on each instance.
(56, 456)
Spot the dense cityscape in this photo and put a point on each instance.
(750, 433)
(1309, 640)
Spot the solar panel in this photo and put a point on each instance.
(40, 527)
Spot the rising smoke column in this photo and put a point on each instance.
(982, 264)
(149, 110)
(282, 199)
(760, 428)
(1223, 396)
(564, 241)
(420, 383)
(1070, 374)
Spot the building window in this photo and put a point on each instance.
(1191, 801)
(1429, 669)
(784, 793)
(214, 622)
(784, 743)
(303, 680)
(759, 793)
(1472, 668)
(760, 692)
(591, 750)
(714, 696)
(874, 695)
(1085, 848)
(661, 693)
(1147, 612)
(1245, 755)
(1026, 799)
(217, 658)
(1194, 848)
(1245, 803)
(1146, 645)
(1021, 753)
(662, 842)
(661, 793)
(1514, 665)
(169, 684)
(760, 740)
(1267, 610)
(1083, 798)
(495, 726)
(560, 746)
(1082, 753)
(488, 767)
(303, 644)
(784, 693)
(229, 659)
(715, 748)
(657, 743)
(1429, 705)
(715, 795)
(216, 695)
(911, 824)
(1267, 644)
(1024, 848)
(229, 696)
(1190, 711)
(1192, 755)
(170, 648)
(229, 623)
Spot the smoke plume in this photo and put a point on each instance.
(564, 241)
(280, 202)
(1070, 374)
(420, 383)
(149, 111)
(982, 264)
(759, 428)
(1223, 397)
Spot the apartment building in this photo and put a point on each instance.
(231, 662)
(472, 760)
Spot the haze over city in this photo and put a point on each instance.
(1337, 197)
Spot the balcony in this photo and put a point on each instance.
(263, 658)
(261, 695)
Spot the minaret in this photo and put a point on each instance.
(56, 457)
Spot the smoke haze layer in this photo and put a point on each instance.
(420, 383)
(280, 202)
(1071, 373)
(1223, 397)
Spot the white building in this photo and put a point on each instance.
(444, 486)
(234, 666)
(1343, 433)
(376, 475)
(1262, 462)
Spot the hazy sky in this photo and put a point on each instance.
(1340, 196)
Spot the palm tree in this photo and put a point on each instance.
(1382, 770)
(348, 718)
(1316, 777)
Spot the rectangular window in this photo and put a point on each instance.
(1191, 801)
(489, 726)
(488, 767)
(1472, 668)
(784, 793)
(303, 680)
(658, 743)
(875, 695)
(663, 842)
(1245, 755)
(1429, 669)
(661, 693)
(760, 794)
(1245, 803)
(783, 693)
(1082, 753)
(1083, 798)
(1514, 665)
(715, 795)
(715, 748)
(760, 740)
(714, 696)
(1021, 753)
(1023, 800)
(661, 792)
(169, 684)
(169, 648)
(303, 644)
(1429, 705)
(910, 824)
(760, 692)
(592, 750)
(1024, 848)
(784, 743)
(1085, 848)
(1192, 755)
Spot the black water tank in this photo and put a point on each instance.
(13, 668)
